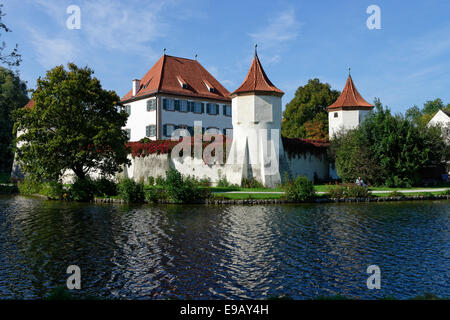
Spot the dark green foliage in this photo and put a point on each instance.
(183, 190)
(154, 194)
(105, 187)
(52, 189)
(151, 181)
(13, 95)
(387, 150)
(131, 191)
(160, 181)
(29, 186)
(82, 190)
(308, 107)
(8, 189)
(251, 183)
(74, 124)
(300, 189)
(223, 182)
(12, 58)
(347, 191)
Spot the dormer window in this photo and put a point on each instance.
(209, 86)
(182, 83)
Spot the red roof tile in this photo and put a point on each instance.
(350, 98)
(30, 104)
(164, 77)
(257, 81)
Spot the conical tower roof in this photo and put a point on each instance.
(350, 98)
(257, 81)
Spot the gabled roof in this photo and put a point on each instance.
(167, 73)
(350, 98)
(257, 81)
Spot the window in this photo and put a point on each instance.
(212, 108)
(336, 114)
(150, 131)
(228, 131)
(184, 130)
(127, 109)
(128, 134)
(227, 110)
(213, 130)
(191, 106)
(168, 129)
(168, 104)
(151, 105)
(183, 106)
(197, 107)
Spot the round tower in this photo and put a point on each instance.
(348, 111)
(256, 118)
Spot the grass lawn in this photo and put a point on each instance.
(4, 177)
(324, 188)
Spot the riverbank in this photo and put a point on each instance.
(251, 201)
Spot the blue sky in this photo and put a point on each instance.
(404, 63)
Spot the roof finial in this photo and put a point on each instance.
(349, 71)
(164, 51)
(196, 57)
(256, 46)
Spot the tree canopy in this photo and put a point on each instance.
(74, 124)
(387, 149)
(13, 95)
(421, 117)
(305, 115)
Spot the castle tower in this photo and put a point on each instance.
(256, 117)
(348, 111)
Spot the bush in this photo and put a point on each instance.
(131, 191)
(29, 186)
(153, 194)
(397, 194)
(150, 181)
(336, 192)
(347, 191)
(354, 191)
(251, 183)
(183, 190)
(223, 182)
(300, 189)
(53, 190)
(82, 190)
(105, 187)
(446, 192)
(205, 182)
(160, 181)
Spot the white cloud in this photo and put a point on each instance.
(280, 29)
(53, 51)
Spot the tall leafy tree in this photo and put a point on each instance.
(13, 95)
(421, 117)
(12, 58)
(388, 150)
(305, 115)
(74, 124)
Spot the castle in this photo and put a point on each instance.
(177, 92)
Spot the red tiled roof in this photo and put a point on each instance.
(30, 104)
(350, 98)
(257, 81)
(164, 77)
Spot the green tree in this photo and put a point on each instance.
(421, 117)
(13, 95)
(74, 124)
(387, 150)
(308, 105)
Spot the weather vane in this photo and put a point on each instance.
(349, 70)
(164, 50)
(256, 46)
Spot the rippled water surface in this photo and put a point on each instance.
(238, 252)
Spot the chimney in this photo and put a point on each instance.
(136, 85)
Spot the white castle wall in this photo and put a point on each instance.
(346, 120)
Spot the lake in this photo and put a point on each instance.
(224, 252)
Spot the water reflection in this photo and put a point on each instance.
(199, 252)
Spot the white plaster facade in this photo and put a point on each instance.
(163, 120)
(341, 120)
